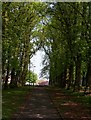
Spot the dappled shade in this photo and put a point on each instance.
(39, 105)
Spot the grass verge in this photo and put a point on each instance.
(79, 97)
(70, 104)
(12, 99)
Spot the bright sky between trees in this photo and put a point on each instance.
(36, 60)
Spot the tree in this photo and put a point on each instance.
(65, 43)
(19, 20)
(31, 77)
(62, 30)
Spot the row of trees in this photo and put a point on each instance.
(62, 30)
(67, 43)
(18, 22)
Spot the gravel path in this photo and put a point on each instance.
(37, 106)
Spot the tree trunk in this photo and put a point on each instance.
(7, 75)
(63, 79)
(13, 82)
(88, 77)
(78, 73)
(6, 80)
(70, 79)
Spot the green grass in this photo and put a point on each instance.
(12, 99)
(76, 96)
(79, 97)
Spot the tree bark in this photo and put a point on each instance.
(78, 73)
(13, 82)
(88, 78)
(70, 79)
(7, 76)
(63, 79)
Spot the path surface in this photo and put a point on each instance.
(38, 105)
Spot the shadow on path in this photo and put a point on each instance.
(37, 106)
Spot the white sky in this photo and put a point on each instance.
(37, 62)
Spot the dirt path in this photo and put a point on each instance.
(37, 106)
(51, 104)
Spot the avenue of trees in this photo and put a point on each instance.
(62, 30)
(18, 21)
(67, 39)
